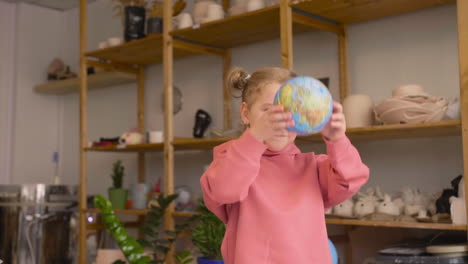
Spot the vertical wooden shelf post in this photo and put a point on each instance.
(141, 121)
(343, 62)
(286, 34)
(83, 134)
(227, 94)
(462, 9)
(168, 60)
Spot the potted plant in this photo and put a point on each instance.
(208, 235)
(134, 15)
(118, 195)
(159, 242)
(132, 250)
(157, 238)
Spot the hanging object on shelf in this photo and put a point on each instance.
(410, 105)
(177, 99)
(358, 110)
(202, 122)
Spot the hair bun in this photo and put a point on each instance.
(237, 79)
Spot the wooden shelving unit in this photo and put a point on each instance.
(217, 38)
(95, 81)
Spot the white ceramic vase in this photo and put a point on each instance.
(358, 110)
(200, 9)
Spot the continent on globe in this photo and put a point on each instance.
(309, 102)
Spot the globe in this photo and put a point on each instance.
(309, 102)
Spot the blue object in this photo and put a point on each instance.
(309, 102)
(204, 260)
(333, 252)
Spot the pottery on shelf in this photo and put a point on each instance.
(199, 11)
(184, 20)
(358, 110)
(253, 5)
(214, 12)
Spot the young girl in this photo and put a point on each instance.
(271, 196)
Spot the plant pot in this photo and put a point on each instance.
(118, 198)
(204, 260)
(134, 26)
(154, 25)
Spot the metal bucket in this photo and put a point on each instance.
(38, 224)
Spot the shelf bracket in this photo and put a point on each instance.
(316, 22)
(198, 48)
(110, 66)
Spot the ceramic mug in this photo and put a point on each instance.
(139, 192)
(155, 136)
(184, 20)
(214, 12)
(255, 5)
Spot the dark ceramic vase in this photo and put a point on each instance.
(134, 26)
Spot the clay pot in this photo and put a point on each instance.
(358, 110)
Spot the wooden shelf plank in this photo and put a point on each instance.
(347, 12)
(415, 225)
(443, 128)
(121, 212)
(439, 129)
(95, 81)
(145, 51)
(234, 31)
(150, 147)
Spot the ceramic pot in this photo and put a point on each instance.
(358, 110)
(253, 5)
(214, 12)
(199, 11)
(184, 20)
(118, 198)
(134, 26)
(154, 25)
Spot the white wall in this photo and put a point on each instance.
(37, 37)
(7, 64)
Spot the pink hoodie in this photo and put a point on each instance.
(273, 202)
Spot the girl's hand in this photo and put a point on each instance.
(271, 123)
(336, 127)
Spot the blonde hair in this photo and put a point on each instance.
(251, 85)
